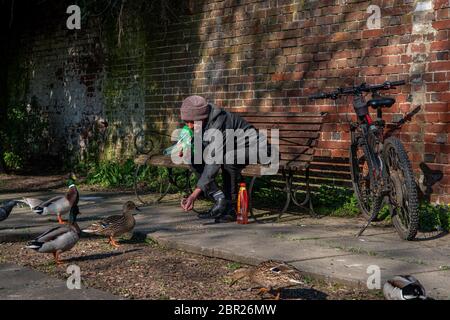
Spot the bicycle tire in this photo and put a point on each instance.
(409, 198)
(363, 196)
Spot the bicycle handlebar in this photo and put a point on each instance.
(356, 90)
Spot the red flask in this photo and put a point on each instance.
(242, 205)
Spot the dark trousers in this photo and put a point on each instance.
(231, 175)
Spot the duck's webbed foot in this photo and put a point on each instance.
(113, 242)
(60, 220)
(262, 291)
(57, 260)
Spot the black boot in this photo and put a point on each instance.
(228, 216)
(220, 207)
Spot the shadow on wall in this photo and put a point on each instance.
(428, 178)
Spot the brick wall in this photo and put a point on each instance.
(269, 55)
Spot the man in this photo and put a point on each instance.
(196, 109)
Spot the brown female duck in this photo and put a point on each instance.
(270, 277)
(115, 226)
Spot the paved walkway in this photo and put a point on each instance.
(19, 283)
(321, 247)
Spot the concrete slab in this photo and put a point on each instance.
(20, 283)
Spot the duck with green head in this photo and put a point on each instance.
(58, 205)
(59, 239)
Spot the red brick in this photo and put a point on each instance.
(439, 76)
(445, 96)
(372, 33)
(340, 36)
(437, 128)
(443, 24)
(441, 86)
(392, 69)
(432, 117)
(437, 107)
(393, 50)
(439, 66)
(440, 45)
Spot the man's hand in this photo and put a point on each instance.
(188, 203)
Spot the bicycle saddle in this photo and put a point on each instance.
(381, 102)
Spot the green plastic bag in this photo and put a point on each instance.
(184, 142)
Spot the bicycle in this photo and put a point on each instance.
(380, 168)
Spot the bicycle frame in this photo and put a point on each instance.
(380, 167)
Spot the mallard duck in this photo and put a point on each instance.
(115, 226)
(6, 209)
(270, 277)
(404, 288)
(59, 239)
(57, 205)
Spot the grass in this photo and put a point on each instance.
(308, 279)
(234, 266)
(150, 241)
(361, 251)
(335, 201)
(305, 238)
(278, 235)
(434, 217)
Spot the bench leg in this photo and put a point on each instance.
(288, 182)
(307, 203)
(308, 194)
(250, 198)
(163, 188)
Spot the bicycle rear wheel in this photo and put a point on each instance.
(362, 181)
(403, 199)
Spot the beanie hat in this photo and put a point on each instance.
(194, 108)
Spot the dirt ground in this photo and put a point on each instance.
(18, 183)
(142, 269)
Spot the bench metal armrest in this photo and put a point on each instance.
(147, 146)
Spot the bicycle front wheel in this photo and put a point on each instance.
(362, 180)
(403, 199)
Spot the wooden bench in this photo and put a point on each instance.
(298, 135)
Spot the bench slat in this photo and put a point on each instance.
(255, 120)
(299, 134)
(281, 114)
(290, 127)
(165, 161)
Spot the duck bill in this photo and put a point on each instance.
(39, 211)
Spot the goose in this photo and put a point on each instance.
(114, 226)
(57, 205)
(270, 277)
(6, 209)
(58, 239)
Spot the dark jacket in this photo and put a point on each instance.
(222, 120)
